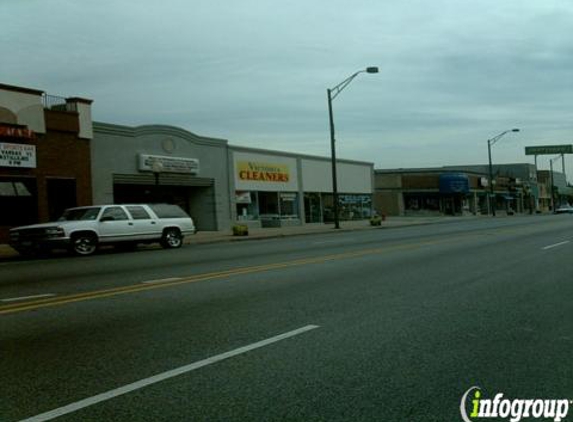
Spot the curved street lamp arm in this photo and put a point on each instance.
(496, 138)
(338, 88)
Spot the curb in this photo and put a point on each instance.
(231, 238)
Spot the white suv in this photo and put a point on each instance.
(82, 229)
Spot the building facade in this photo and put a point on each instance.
(561, 193)
(52, 157)
(44, 156)
(156, 163)
(458, 190)
(219, 184)
(272, 188)
(522, 188)
(429, 192)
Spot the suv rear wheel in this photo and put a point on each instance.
(84, 244)
(172, 239)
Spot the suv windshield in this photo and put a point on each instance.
(76, 214)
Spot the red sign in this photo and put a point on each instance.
(16, 132)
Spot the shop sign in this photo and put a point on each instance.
(16, 132)
(243, 197)
(17, 155)
(354, 199)
(162, 164)
(288, 197)
(454, 183)
(263, 172)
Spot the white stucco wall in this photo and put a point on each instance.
(27, 107)
(352, 178)
(85, 117)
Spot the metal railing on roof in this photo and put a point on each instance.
(53, 102)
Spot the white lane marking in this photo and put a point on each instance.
(555, 245)
(70, 408)
(16, 299)
(162, 280)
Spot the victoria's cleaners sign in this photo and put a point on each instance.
(250, 171)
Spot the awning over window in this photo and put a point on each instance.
(13, 189)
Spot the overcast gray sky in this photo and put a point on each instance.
(453, 73)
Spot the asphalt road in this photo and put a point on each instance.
(376, 325)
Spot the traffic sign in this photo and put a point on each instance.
(549, 150)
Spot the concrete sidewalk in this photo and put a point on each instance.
(319, 228)
(6, 252)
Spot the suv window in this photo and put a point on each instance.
(77, 214)
(115, 213)
(168, 211)
(138, 213)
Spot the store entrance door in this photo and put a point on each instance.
(61, 195)
(312, 208)
(197, 201)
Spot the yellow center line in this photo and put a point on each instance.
(72, 298)
(116, 291)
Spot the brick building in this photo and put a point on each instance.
(44, 156)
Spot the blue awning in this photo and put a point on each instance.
(454, 183)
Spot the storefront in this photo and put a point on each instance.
(441, 191)
(156, 163)
(44, 156)
(428, 192)
(266, 189)
(18, 191)
(274, 189)
(219, 184)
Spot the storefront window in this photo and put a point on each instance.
(312, 208)
(268, 204)
(247, 205)
(423, 202)
(350, 207)
(327, 208)
(432, 204)
(288, 205)
(18, 202)
(354, 207)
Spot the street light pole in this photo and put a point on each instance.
(490, 143)
(333, 158)
(491, 193)
(551, 181)
(332, 94)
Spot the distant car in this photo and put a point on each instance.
(82, 229)
(564, 209)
